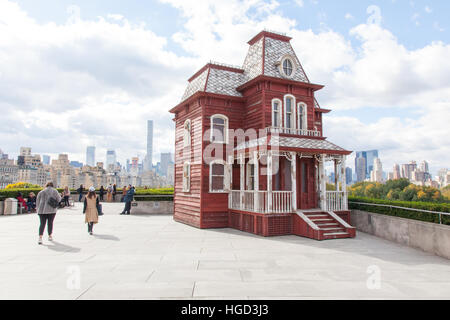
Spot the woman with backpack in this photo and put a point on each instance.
(91, 209)
(47, 203)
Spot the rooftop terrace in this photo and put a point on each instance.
(153, 257)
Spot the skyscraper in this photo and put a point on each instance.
(376, 175)
(396, 173)
(348, 175)
(148, 162)
(110, 160)
(360, 166)
(90, 156)
(166, 159)
(46, 159)
(370, 157)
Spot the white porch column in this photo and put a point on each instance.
(256, 178)
(269, 181)
(242, 179)
(294, 180)
(336, 174)
(344, 182)
(323, 183)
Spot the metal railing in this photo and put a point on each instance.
(300, 132)
(404, 208)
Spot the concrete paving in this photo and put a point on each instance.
(153, 257)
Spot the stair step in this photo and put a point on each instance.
(317, 215)
(336, 234)
(330, 229)
(321, 219)
(332, 224)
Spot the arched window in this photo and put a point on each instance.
(276, 113)
(217, 176)
(289, 112)
(219, 128)
(187, 177)
(302, 116)
(187, 133)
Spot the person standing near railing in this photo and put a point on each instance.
(66, 194)
(80, 191)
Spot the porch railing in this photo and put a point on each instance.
(336, 201)
(257, 201)
(301, 132)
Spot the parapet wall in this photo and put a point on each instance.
(429, 237)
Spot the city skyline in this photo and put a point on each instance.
(378, 77)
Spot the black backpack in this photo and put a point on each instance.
(52, 202)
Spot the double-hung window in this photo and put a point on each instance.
(219, 128)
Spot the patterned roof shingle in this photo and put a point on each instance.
(222, 81)
(291, 142)
(274, 51)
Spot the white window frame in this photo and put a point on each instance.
(293, 117)
(226, 124)
(293, 63)
(250, 173)
(304, 125)
(225, 176)
(187, 133)
(280, 112)
(186, 178)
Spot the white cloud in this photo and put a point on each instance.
(349, 16)
(300, 3)
(428, 9)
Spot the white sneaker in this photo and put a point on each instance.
(40, 241)
(50, 238)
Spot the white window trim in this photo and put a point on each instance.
(294, 66)
(225, 176)
(248, 174)
(280, 112)
(187, 138)
(188, 187)
(225, 118)
(305, 119)
(293, 117)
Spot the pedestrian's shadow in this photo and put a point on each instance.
(106, 237)
(59, 247)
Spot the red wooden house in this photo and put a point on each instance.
(249, 149)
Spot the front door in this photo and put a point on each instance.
(306, 197)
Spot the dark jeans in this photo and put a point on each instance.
(66, 201)
(127, 208)
(90, 226)
(46, 219)
(31, 206)
(80, 197)
(101, 197)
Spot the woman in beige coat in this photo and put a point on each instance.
(91, 204)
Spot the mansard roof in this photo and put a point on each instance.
(266, 52)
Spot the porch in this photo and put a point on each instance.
(293, 181)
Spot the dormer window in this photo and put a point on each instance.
(287, 67)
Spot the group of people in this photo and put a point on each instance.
(28, 204)
(48, 200)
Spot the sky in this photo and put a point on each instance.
(91, 72)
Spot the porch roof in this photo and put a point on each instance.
(283, 143)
